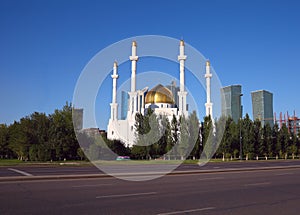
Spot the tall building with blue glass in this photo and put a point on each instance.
(262, 106)
(124, 104)
(231, 102)
(174, 89)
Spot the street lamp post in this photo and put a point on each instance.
(241, 154)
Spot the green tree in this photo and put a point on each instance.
(228, 138)
(175, 137)
(292, 148)
(167, 137)
(165, 140)
(194, 130)
(247, 138)
(147, 134)
(284, 141)
(183, 144)
(220, 129)
(62, 135)
(265, 148)
(207, 140)
(81, 153)
(257, 138)
(5, 151)
(276, 144)
(18, 142)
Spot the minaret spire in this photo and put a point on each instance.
(133, 98)
(182, 93)
(114, 104)
(134, 58)
(208, 104)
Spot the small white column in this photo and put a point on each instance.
(114, 104)
(182, 93)
(208, 104)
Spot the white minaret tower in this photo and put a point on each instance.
(133, 94)
(134, 58)
(114, 104)
(182, 93)
(208, 104)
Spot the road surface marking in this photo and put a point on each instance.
(258, 184)
(206, 179)
(20, 172)
(90, 185)
(280, 174)
(187, 211)
(126, 195)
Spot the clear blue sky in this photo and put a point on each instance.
(44, 45)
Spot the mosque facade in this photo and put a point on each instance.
(160, 99)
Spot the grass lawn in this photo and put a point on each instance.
(16, 162)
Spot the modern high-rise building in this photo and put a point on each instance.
(231, 102)
(262, 106)
(124, 104)
(174, 90)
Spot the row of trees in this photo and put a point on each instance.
(41, 137)
(256, 141)
(224, 138)
(157, 137)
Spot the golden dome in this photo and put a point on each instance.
(134, 43)
(159, 94)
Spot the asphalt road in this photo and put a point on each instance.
(43, 170)
(253, 192)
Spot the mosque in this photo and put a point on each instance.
(160, 99)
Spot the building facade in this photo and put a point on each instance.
(262, 106)
(167, 101)
(77, 118)
(160, 99)
(231, 102)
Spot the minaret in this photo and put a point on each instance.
(208, 104)
(134, 58)
(182, 93)
(114, 104)
(133, 94)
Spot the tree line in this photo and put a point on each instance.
(41, 137)
(257, 141)
(222, 138)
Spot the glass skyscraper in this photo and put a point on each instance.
(262, 106)
(231, 102)
(124, 104)
(174, 91)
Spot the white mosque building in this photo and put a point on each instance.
(160, 99)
